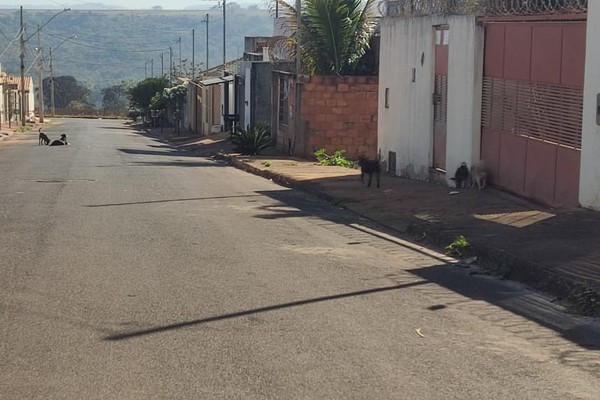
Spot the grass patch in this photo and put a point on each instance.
(337, 159)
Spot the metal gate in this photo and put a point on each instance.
(440, 97)
(532, 108)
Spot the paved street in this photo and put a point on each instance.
(132, 270)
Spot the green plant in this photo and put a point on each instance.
(266, 163)
(334, 34)
(337, 158)
(458, 247)
(253, 139)
(24, 128)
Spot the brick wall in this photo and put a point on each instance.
(340, 113)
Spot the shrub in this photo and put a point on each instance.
(253, 139)
(337, 158)
(458, 248)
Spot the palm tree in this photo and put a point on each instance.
(334, 34)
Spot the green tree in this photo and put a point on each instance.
(113, 98)
(66, 92)
(335, 35)
(140, 95)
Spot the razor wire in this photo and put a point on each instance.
(412, 8)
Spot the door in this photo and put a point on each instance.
(532, 108)
(440, 97)
(247, 97)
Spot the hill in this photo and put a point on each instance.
(101, 48)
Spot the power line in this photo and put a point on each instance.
(117, 50)
(91, 42)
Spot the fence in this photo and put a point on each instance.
(412, 8)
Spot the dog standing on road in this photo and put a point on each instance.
(369, 167)
(43, 139)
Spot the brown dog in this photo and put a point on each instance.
(479, 175)
(42, 138)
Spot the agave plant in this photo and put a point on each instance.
(334, 34)
(252, 139)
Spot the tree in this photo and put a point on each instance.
(334, 34)
(66, 92)
(141, 94)
(113, 98)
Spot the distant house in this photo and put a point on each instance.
(11, 98)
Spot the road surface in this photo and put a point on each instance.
(131, 270)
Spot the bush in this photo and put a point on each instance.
(253, 139)
(337, 158)
(458, 248)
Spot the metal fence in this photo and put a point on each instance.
(411, 8)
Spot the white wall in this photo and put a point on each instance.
(589, 181)
(406, 127)
(465, 78)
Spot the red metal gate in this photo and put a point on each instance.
(440, 97)
(532, 108)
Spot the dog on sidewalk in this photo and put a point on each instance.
(43, 139)
(479, 175)
(461, 176)
(60, 142)
(369, 167)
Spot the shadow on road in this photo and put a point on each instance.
(170, 201)
(165, 328)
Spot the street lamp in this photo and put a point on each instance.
(52, 72)
(22, 41)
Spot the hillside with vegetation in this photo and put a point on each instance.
(103, 48)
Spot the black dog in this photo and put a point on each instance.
(369, 167)
(461, 176)
(60, 142)
(42, 138)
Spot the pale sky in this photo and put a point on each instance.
(131, 4)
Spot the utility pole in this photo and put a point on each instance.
(224, 33)
(170, 65)
(162, 65)
(193, 54)
(51, 84)
(298, 38)
(40, 77)
(22, 57)
(152, 67)
(206, 66)
(180, 68)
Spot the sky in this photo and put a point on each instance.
(131, 4)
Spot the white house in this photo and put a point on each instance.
(500, 81)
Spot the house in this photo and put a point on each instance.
(11, 98)
(508, 82)
(255, 84)
(212, 104)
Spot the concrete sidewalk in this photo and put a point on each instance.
(556, 251)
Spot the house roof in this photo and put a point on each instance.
(16, 81)
(215, 81)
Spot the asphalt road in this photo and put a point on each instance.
(131, 270)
